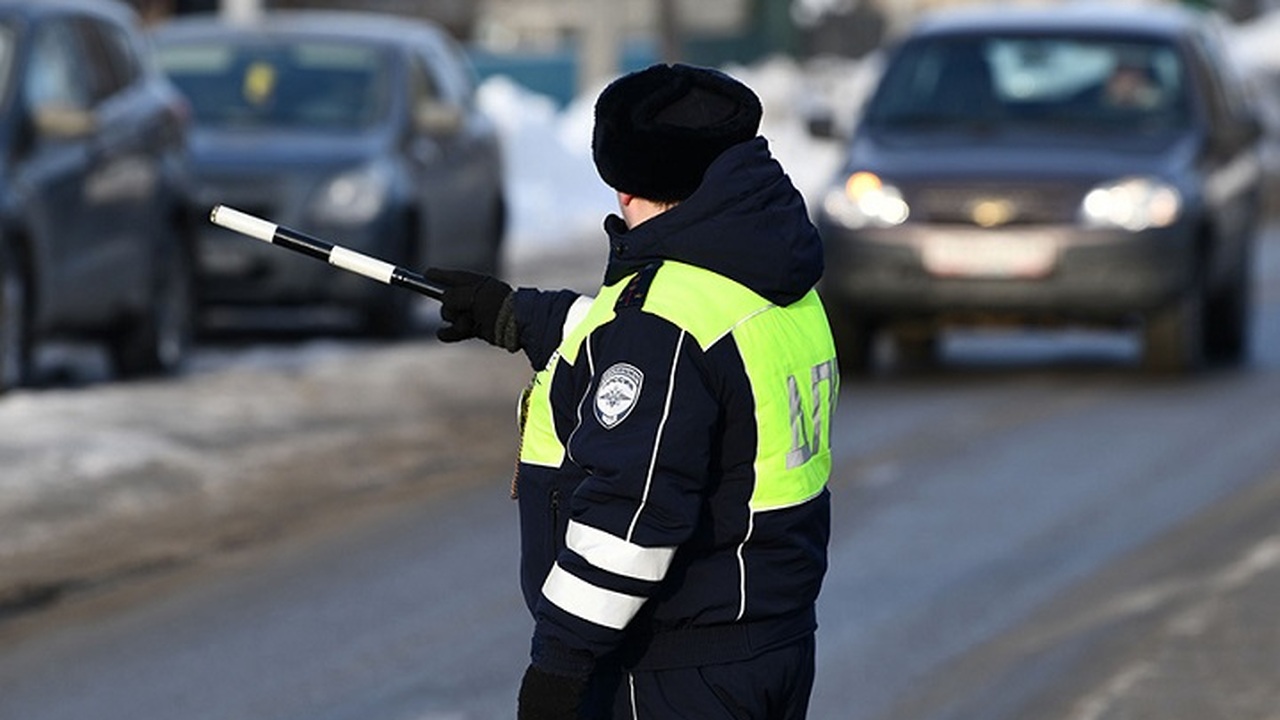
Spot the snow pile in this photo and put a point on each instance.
(554, 193)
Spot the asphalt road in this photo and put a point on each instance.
(1035, 529)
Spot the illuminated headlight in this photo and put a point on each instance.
(1133, 204)
(864, 200)
(353, 197)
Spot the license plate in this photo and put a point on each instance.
(216, 258)
(989, 257)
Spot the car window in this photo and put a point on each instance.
(318, 85)
(113, 65)
(422, 86)
(123, 52)
(450, 68)
(1087, 83)
(53, 77)
(1229, 99)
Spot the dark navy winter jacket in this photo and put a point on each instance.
(676, 438)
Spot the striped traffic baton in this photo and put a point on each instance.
(336, 255)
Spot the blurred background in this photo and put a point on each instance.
(558, 47)
(304, 517)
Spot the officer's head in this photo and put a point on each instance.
(657, 130)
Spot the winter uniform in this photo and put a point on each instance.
(675, 453)
(675, 440)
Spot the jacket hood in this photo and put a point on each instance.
(746, 221)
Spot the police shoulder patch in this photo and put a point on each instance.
(617, 393)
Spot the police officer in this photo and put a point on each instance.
(675, 441)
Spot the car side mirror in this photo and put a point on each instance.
(61, 122)
(437, 118)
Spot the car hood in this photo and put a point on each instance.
(1006, 155)
(214, 150)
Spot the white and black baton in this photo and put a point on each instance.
(336, 255)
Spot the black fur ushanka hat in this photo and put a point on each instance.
(658, 129)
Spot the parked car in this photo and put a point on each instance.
(1070, 164)
(361, 129)
(91, 182)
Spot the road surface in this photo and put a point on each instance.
(1035, 529)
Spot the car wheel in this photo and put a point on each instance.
(916, 348)
(158, 339)
(1173, 338)
(854, 337)
(492, 264)
(1226, 324)
(15, 329)
(389, 312)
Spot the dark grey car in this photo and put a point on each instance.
(92, 241)
(360, 129)
(1060, 165)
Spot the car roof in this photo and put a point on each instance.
(368, 26)
(114, 9)
(1126, 18)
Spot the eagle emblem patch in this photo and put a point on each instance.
(617, 394)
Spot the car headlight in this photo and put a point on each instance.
(353, 197)
(1135, 204)
(864, 200)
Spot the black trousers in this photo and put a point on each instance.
(774, 685)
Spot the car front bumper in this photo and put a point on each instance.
(236, 270)
(1024, 273)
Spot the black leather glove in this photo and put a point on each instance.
(475, 305)
(546, 696)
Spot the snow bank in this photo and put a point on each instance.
(554, 193)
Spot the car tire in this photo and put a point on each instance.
(1227, 318)
(492, 264)
(916, 349)
(1173, 337)
(389, 313)
(854, 337)
(15, 321)
(158, 339)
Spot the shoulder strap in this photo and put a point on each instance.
(634, 294)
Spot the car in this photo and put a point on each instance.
(93, 236)
(358, 128)
(1048, 166)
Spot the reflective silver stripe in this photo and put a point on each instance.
(612, 553)
(657, 442)
(742, 566)
(577, 313)
(593, 604)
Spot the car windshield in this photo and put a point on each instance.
(1087, 84)
(320, 85)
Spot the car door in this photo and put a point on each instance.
(121, 190)
(455, 175)
(1232, 163)
(51, 173)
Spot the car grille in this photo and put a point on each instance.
(262, 197)
(994, 205)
